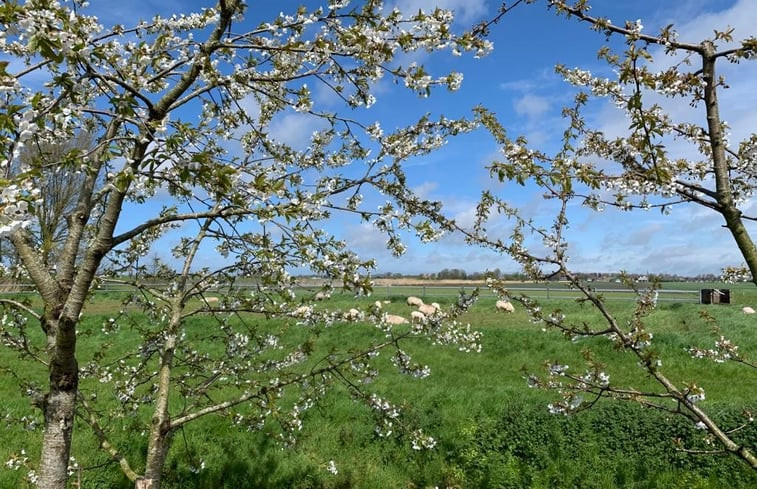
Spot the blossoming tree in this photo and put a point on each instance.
(180, 112)
(642, 169)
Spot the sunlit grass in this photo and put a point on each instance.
(462, 404)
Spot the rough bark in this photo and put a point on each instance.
(59, 405)
(56, 439)
(160, 433)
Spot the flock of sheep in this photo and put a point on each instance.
(422, 312)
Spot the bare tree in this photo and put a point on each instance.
(60, 177)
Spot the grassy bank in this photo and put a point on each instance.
(492, 430)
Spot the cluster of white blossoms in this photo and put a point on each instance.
(421, 441)
(736, 274)
(455, 333)
(725, 350)
(17, 460)
(15, 210)
(592, 378)
(405, 365)
(387, 413)
(570, 402)
(695, 394)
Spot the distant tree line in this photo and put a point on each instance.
(460, 274)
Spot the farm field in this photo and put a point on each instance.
(491, 429)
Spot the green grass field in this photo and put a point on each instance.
(492, 430)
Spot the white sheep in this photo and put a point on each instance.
(506, 306)
(747, 310)
(417, 316)
(211, 300)
(428, 309)
(322, 296)
(394, 319)
(414, 301)
(353, 315)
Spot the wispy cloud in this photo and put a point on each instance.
(466, 11)
(531, 106)
(425, 190)
(295, 129)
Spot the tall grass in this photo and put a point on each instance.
(492, 430)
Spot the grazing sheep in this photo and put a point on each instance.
(414, 301)
(504, 306)
(353, 315)
(428, 309)
(211, 300)
(394, 319)
(417, 316)
(322, 296)
(747, 310)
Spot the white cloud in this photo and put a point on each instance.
(424, 190)
(365, 239)
(466, 11)
(295, 129)
(531, 106)
(691, 240)
(643, 237)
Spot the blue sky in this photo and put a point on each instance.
(517, 82)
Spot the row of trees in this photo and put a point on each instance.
(178, 111)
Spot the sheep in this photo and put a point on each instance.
(322, 296)
(417, 316)
(394, 319)
(353, 315)
(747, 310)
(211, 300)
(414, 301)
(506, 306)
(428, 309)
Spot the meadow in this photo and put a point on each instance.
(492, 431)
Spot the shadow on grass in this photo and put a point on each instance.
(255, 465)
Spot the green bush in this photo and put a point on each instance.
(613, 445)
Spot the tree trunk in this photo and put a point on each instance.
(728, 208)
(160, 442)
(59, 407)
(161, 432)
(56, 440)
